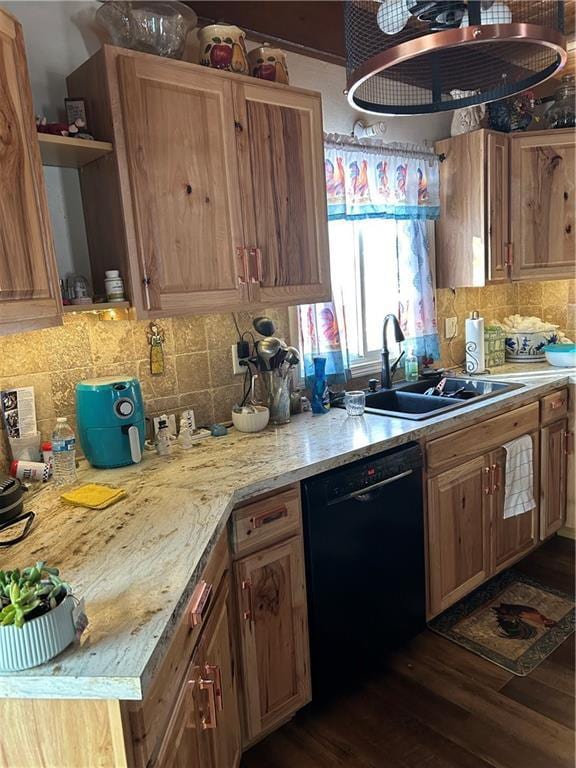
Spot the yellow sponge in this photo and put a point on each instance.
(93, 496)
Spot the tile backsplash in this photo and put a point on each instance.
(551, 300)
(198, 366)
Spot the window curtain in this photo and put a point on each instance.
(416, 305)
(371, 183)
(322, 334)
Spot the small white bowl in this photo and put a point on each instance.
(251, 422)
(561, 355)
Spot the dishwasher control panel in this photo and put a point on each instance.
(371, 471)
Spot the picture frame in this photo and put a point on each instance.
(76, 109)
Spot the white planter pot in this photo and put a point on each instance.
(38, 640)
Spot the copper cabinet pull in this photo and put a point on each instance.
(241, 256)
(487, 481)
(214, 671)
(557, 404)
(247, 615)
(496, 477)
(268, 517)
(208, 722)
(257, 254)
(568, 442)
(199, 602)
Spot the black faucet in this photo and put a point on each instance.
(385, 372)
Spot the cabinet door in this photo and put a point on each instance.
(271, 595)
(458, 529)
(280, 147)
(543, 201)
(554, 470)
(180, 747)
(215, 689)
(513, 537)
(29, 289)
(181, 154)
(498, 174)
(461, 230)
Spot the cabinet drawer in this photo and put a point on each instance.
(149, 718)
(446, 452)
(554, 407)
(265, 521)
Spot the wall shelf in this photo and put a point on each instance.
(67, 152)
(101, 307)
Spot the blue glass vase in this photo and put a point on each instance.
(320, 398)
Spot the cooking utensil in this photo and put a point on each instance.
(292, 356)
(264, 326)
(267, 348)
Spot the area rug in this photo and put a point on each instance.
(513, 621)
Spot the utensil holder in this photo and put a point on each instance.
(277, 396)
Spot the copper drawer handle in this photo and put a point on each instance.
(200, 602)
(268, 517)
(557, 404)
(247, 615)
(567, 442)
(208, 722)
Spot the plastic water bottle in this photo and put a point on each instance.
(64, 453)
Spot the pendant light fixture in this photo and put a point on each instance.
(408, 57)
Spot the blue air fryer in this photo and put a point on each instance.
(110, 418)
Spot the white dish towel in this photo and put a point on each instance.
(519, 491)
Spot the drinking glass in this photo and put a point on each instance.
(355, 402)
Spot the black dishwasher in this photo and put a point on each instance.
(364, 542)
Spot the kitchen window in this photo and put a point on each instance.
(363, 263)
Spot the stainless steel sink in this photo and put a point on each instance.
(408, 401)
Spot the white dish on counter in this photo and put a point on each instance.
(561, 355)
(528, 346)
(251, 422)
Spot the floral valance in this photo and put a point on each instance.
(374, 183)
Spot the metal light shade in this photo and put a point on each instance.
(407, 57)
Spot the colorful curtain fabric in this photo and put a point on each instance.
(322, 336)
(363, 184)
(416, 307)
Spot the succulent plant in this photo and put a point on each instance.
(21, 592)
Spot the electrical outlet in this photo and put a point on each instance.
(450, 327)
(236, 367)
(171, 424)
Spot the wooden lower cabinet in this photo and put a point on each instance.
(554, 473)
(273, 636)
(469, 540)
(513, 537)
(204, 730)
(458, 528)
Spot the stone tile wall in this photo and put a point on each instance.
(551, 300)
(198, 367)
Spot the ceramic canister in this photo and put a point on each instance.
(222, 46)
(268, 63)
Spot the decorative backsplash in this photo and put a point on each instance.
(551, 300)
(197, 364)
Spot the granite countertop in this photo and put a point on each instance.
(136, 563)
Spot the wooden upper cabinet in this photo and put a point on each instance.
(29, 288)
(472, 232)
(458, 532)
(543, 204)
(215, 198)
(280, 152)
(179, 132)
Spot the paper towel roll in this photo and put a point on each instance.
(475, 361)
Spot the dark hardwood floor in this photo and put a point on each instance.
(441, 706)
